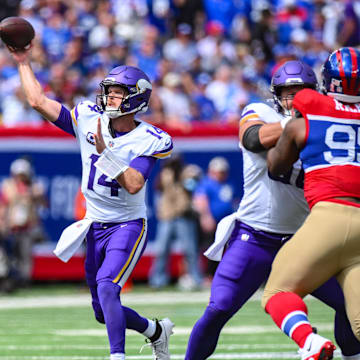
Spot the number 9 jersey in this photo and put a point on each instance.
(106, 200)
(332, 144)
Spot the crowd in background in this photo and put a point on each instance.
(206, 58)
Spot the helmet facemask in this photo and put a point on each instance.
(138, 90)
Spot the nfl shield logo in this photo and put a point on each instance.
(111, 144)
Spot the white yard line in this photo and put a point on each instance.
(220, 356)
(75, 300)
(131, 298)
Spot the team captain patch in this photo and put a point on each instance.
(90, 138)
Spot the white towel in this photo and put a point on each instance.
(223, 232)
(71, 239)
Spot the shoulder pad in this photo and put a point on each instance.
(162, 144)
(260, 112)
(84, 108)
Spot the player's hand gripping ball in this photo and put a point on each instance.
(16, 32)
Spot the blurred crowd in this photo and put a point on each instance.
(206, 58)
(190, 202)
(22, 197)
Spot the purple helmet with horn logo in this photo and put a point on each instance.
(137, 85)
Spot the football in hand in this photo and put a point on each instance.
(16, 32)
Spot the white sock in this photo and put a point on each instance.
(308, 340)
(117, 356)
(150, 330)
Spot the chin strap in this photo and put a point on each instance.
(110, 165)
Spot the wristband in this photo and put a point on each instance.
(110, 165)
(284, 121)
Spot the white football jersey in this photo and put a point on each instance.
(106, 200)
(270, 204)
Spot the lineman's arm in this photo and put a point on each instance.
(257, 136)
(287, 150)
(34, 92)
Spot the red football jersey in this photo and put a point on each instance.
(331, 156)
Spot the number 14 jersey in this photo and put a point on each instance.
(106, 200)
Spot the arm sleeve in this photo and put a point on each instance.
(251, 140)
(143, 164)
(65, 122)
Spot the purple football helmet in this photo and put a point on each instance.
(137, 85)
(291, 73)
(341, 75)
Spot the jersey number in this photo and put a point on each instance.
(345, 144)
(113, 185)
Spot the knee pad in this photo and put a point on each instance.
(108, 290)
(217, 316)
(224, 302)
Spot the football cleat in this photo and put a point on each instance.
(317, 348)
(160, 346)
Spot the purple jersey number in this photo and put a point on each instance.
(113, 185)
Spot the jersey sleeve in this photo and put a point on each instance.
(65, 121)
(259, 112)
(160, 143)
(249, 113)
(82, 111)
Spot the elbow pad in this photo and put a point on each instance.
(251, 140)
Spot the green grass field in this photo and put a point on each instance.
(56, 323)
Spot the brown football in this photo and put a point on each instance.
(16, 32)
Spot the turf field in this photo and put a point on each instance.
(56, 323)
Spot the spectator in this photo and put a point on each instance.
(175, 103)
(213, 200)
(201, 107)
(147, 52)
(163, 36)
(264, 34)
(289, 17)
(181, 50)
(22, 197)
(226, 92)
(55, 37)
(214, 49)
(349, 29)
(16, 111)
(176, 222)
(6, 283)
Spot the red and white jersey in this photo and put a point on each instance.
(331, 156)
(106, 200)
